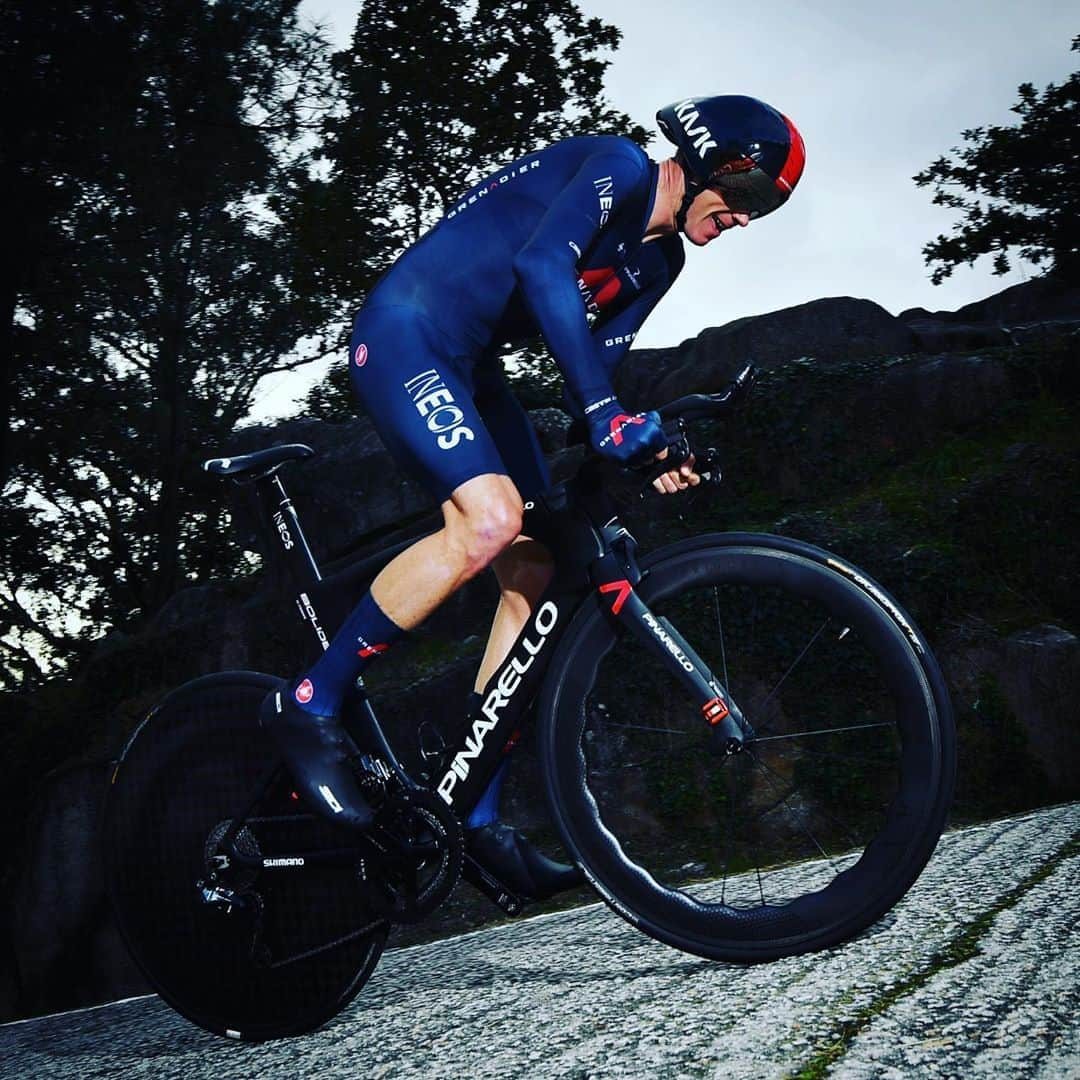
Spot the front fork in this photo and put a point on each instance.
(616, 575)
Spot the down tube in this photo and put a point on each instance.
(506, 700)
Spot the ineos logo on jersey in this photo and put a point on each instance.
(305, 692)
(605, 188)
(436, 405)
(361, 354)
(702, 136)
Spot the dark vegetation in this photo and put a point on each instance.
(1016, 186)
(200, 195)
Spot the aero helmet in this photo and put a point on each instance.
(738, 145)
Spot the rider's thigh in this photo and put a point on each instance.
(511, 429)
(413, 382)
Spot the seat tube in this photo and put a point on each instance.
(287, 536)
(287, 540)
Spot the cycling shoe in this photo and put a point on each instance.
(509, 857)
(317, 751)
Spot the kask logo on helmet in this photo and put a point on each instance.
(688, 117)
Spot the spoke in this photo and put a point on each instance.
(860, 759)
(732, 783)
(825, 731)
(720, 627)
(846, 828)
(798, 659)
(643, 727)
(770, 775)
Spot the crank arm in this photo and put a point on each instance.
(491, 887)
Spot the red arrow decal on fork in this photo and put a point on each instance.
(624, 591)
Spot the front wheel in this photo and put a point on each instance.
(822, 822)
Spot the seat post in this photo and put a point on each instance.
(284, 524)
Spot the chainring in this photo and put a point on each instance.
(418, 858)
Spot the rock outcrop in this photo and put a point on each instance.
(1040, 678)
(1043, 309)
(829, 330)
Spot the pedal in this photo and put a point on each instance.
(431, 744)
(491, 887)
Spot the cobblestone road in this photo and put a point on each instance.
(974, 974)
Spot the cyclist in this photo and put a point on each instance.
(577, 242)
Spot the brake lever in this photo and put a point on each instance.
(678, 451)
(708, 466)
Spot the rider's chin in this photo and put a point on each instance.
(697, 235)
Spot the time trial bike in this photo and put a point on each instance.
(745, 743)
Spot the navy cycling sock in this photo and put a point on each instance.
(366, 633)
(486, 810)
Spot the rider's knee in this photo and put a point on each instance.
(489, 529)
(483, 519)
(493, 530)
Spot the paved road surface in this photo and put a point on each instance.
(974, 974)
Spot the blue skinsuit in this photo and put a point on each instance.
(551, 244)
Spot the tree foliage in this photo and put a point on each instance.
(1017, 186)
(159, 291)
(173, 239)
(424, 115)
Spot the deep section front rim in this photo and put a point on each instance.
(814, 831)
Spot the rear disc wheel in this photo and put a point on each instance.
(244, 951)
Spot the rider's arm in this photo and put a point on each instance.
(613, 335)
(612, 339)
(546, 266)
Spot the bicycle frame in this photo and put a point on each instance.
(595, 562)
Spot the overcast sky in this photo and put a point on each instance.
(877, 93)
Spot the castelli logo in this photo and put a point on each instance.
(305, 692)
(361, 354)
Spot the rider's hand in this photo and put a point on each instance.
(676, 479)
(629, 439)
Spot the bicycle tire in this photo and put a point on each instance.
(194, 761)
(622, 749)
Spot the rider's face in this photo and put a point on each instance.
(709, 216)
